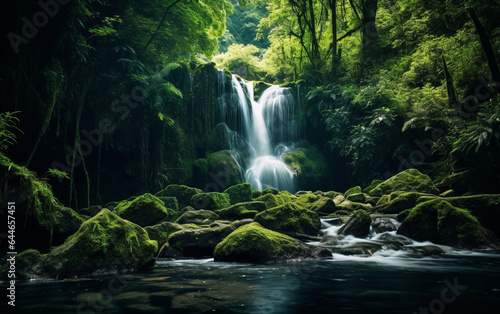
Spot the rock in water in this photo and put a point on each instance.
(290, 218)
(256, 244)
(440, 222)
(105, 242)
(410, 180)
(358, 225)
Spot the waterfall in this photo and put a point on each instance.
(267, 126)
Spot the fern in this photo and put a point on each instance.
(8, 123)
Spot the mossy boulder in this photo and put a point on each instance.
(225, 168)
(440, 222)
(309, 165)
(270, 200)
(399, 202)
(372, 185)
(198, 217)
(198, 242)
(358, 225)
(239, 193)
(485, 207)
(353, 190)
(170, 202)
(256, 244)
(410, 180)
(105, 242)
(242, 210)
(290, 217)
(162, 231)
(182, 193)
(349, 206)
(145, 210)
(27, 265)
(357, 197)
(316, 203)
(256, 193)
(270, 191)
(210, 201)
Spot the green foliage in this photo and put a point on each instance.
(8, 123)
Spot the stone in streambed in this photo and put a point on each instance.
(256, 244)
(358, 225)
(290, 217)
(242, 210)
(145, 210)
(162, 231)
(198, 217)
(410, 180)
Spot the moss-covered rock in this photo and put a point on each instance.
(27, 264)
(239, 193)
(310, 166)
(256, 193)
(170, 202)
(331, 194)
(162, 231)
(410, 180)
(91, 211)
(198, 242)
(105, 242)
(256, 244)
(290, 217)
(270, 191)
(401, 201)
(225, 168)
(440, 222)
(358, 225)
(182, 193)
(210, 201)
(145, 210)
(372, 185)
(316, 203)
(485, 207)
(242, 210)
(352, 206)
(270, 200)
(353, 190)
(198, 217)
(357, 197)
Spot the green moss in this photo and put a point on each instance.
(399, 201)
(27, 265)
(353, 190)
(410, 180)
(286, 196)
(254, 243)
(256, 193)
(309, 165)
(145, 210)
(239, 193)
(225, 167)
(104, 242)
(242, 210)
(199, 242)
(316, 203)
(349, 206)
(270, 191)
(161, 232)
(270, 200)
(372, 185)
(210, 201)
(438, 221)
(290, 217)
(182, 193)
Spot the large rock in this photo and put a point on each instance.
(256, 244)
(105, 242)
(290, 217)
(316, 203)
(182, 193)
(225, 168)
(358, 225)
(197, 242)
(400, 201)
(242, 210)
(239, 193)
(145, 210)
(210, 201)
(410, 180)
(162, 231)
(270, 200)
(198, 217)
(486, 208)
(440, 222)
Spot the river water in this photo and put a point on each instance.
(387, 282)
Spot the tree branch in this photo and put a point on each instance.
(167, 10)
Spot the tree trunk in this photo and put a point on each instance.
(450, 87)
(369, 32)
(485, 42)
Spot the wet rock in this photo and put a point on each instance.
(210, 201)
(381, 225)
(358, 225)
(256, 244)
(353, 190)
(357, 197)
(316, 203)
(162, 231)
(198, 217)
(242, 210)
(290, 217)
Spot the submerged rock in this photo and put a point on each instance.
(440, 222)
(105, 242)
(358, 225)
(242, 210)
(410, 180)
(290, 217)
(239, 193)
(145, 210)
(256, 244)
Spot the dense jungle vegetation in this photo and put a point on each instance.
(120, 94)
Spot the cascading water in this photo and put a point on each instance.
(267, 125)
